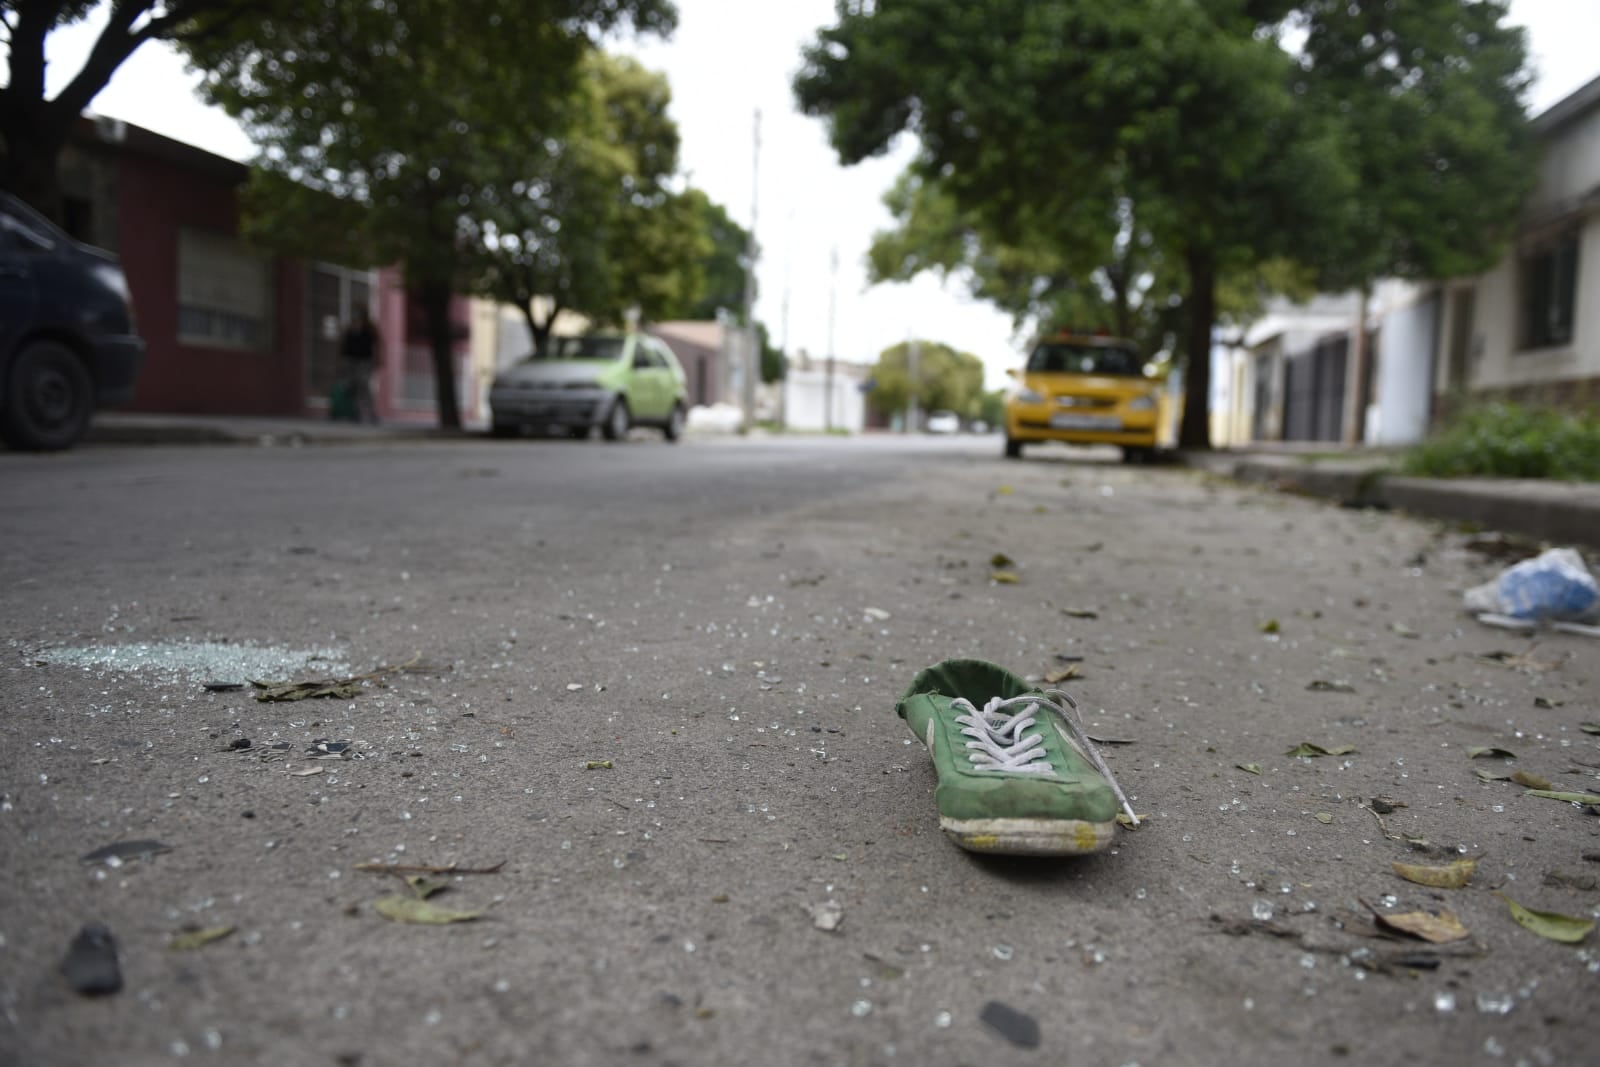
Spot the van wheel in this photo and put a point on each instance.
(1013, 448)
(49, 399)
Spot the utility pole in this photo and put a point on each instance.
(751, 347)
(913, 359)
(827, 378)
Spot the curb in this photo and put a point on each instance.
(1555, 512)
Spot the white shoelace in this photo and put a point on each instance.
(997, 742)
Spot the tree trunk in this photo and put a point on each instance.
(539, 332)
(441, 339)
(1202, 311)
(32, 160)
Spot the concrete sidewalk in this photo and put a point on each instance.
(1558, 512)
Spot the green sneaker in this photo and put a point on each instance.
(1017, 774)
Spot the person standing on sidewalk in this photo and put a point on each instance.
(358, 351)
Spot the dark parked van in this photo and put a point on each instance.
(67, 342)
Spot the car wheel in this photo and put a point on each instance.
(617, 421)
(49, 398)
(674, 427)
(1013, 448)
(505, 429)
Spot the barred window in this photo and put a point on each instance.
(225, 293)
(1549, 292)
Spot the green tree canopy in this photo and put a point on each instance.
(946, 380)
(1235, 152)
(590, 218)
(401, 108)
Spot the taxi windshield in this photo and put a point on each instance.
(1067, 357)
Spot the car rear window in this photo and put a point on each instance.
(1066, 357)
(597, 348)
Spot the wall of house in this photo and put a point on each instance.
(156, 199)
(1569, 173)
(1500, 362)
(805, 398)
(1399, 412)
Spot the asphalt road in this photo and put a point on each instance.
(695, 616)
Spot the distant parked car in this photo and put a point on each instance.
(944, 422)
(578, 383)
(67, 339)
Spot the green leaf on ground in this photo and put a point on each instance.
(1531, 780)
(1306, 748)
(1490, 776)
(189, 940)
(1549, 924)
(1061, 674)
(411, 910)
(424, 887)
(1127, 823)
(1490, 752)
(1546, 702)
(597, 765)
(1253, 768)
(1003, 577)
(1270, 627)
(1403, 630)
(1450, 876)
(1004, 490)
(1437, 929)
(1000, 561)
(1589, 727)
(1570, 798)
(1322, 685)
(1324, 817)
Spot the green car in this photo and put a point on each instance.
(577, 383)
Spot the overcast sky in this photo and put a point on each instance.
(729, 58)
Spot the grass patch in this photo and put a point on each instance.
(1511, 441)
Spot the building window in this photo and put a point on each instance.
(1549, 292)
(224, 293)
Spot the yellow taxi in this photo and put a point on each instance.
(1083, 389)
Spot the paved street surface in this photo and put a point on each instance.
(692, 623)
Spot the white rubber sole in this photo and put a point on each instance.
(1030, 837)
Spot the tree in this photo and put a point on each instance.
(946, 380)
(1183, 107)
(33, 127)
(1232, 153)
(722, 269)
(1094, 270)
(589, 218)
(400, 108)
(1430, 94)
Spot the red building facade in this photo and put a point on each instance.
(231, 329)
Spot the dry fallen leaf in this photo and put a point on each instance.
(1306, 748)
(1438, 929)
(189, 940)
(1531, 780)
(1450, 876)
(1061, 675)
(1253, 768)
(1004, 577)
(411, 910)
